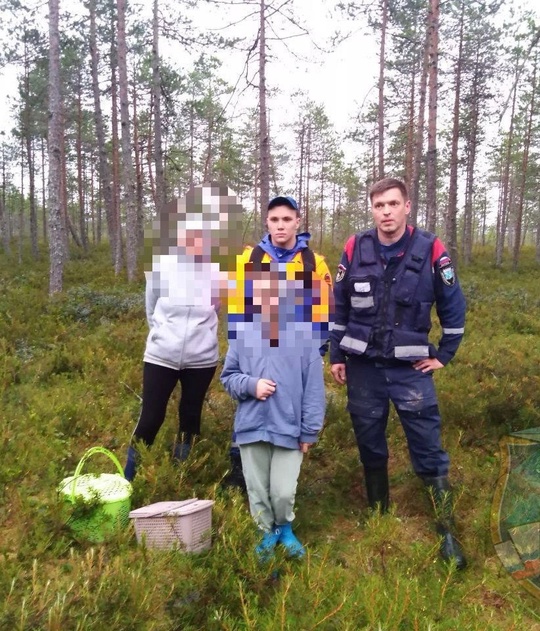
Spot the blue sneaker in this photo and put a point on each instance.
(265, 549)
(288, 540)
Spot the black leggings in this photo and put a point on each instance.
(158, 385)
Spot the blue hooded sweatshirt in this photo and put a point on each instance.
(280, 254)
(294, 413)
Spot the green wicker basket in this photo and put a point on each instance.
(96, 505)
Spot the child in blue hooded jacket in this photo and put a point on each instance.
(274, 370)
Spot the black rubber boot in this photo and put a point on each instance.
(440, 493)
(377, 488)
(235, 477)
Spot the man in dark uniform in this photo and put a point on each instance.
(387, 281)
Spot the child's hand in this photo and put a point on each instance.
(265, 389)
(304, 447)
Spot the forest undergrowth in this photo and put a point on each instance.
(70, 378)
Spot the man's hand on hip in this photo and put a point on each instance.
(428, 365)
(339, 373)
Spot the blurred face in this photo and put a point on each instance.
(194, 242)
(266, 292)
(390, 210)
(282, 223)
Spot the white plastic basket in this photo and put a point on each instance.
(185, 524)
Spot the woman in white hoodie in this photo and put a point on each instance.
(182, 301)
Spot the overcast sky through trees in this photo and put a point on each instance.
(341, 76)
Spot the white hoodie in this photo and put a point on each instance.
(181, 298)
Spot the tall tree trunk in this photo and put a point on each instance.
(451, 212)
(538, 235)
(409, 152)
(321, 201)
(419, 136)
(95, 204)
(132, 241)
(431, 166)
(471, 164)
(115, 159)
(3, 222)
(57, 240)
(334, 208)
(149, 155)
(502, 217)
(32, 196)
(380, 113)
(21, 204)
(264, 140)
(68, 227)
(104, 169)
(208, 165)
(72, 231)
(4, 216)
(510, 227)
(469, 199)
(259, 226)
(273, 170)
(524, 169)
(302, 156)
(80, 184)
(28, 147)
(192, 140)
(89, 184)
(307, 198)
(156, 101)
(373, 159)
(139, 193)
(43, 191)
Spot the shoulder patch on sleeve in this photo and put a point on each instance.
(446, 271)
(340, 273)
